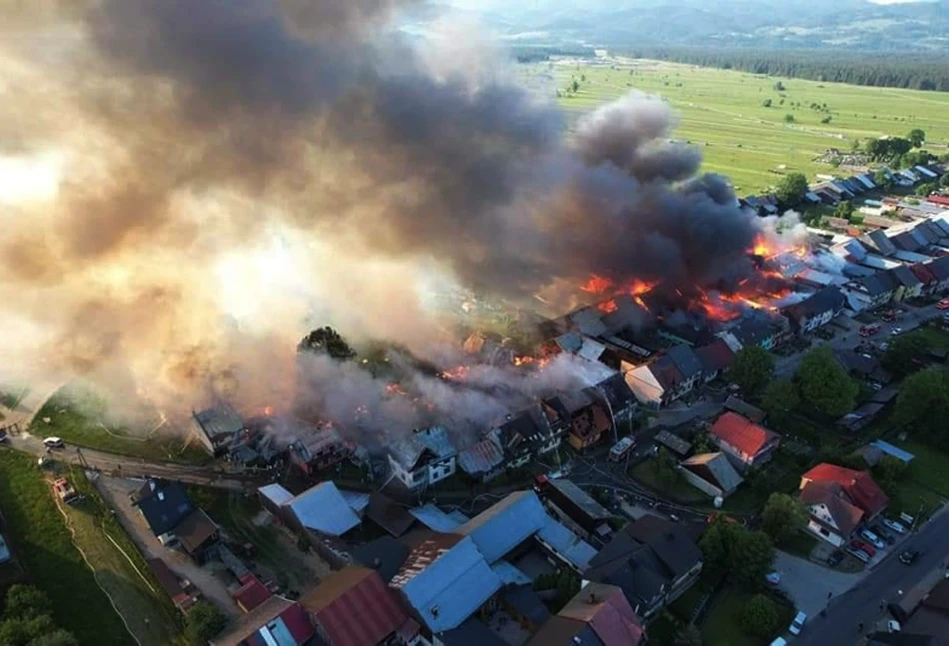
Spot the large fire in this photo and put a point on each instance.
(762, 291)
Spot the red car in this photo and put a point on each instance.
(864, 547)
(943, 304)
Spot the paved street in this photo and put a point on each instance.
(884, 583)
(809, 584)
(912, 318)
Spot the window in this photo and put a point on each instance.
(824, 532)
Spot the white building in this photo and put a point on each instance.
(424, 458)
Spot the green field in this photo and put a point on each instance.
(722, 112)
(722, 627)
(84, 428)
(43, 545)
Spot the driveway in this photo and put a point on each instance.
(116, 492)
(809, 584)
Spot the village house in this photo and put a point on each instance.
(353, 606)
(217, 428)
(711, 473)
(484, 460)
(659, 383)
(716, 358)
(587, 413)
(319, 448)
(323, 508)
(163, 504)
(815, 311)
(276, 621)
(577, 509)
(622, 402)
(423, 458)
(839, 500)
(653, 561)
(525, 435)
(745, 443)
(598, 615)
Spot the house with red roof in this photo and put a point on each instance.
(746, 445)
(276, 621)
(353, 607)
(251, 594)
(839, 500)
(598, 614)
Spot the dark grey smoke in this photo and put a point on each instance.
(470, 171)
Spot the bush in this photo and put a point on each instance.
(203, 622)
(759, 616)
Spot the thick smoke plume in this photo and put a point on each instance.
(198, 182)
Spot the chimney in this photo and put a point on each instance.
(592, 597)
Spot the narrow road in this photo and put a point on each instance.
(883, 585)
(129, 467)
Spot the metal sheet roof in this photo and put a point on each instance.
(445, 584)
(509, 574)
(276, 494)
(435, 519)
(357, 500)
(894, 451)
(568, 545)
(482, 457)
(506, 524)
(324, 509)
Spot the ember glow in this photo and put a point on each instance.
(597, 284)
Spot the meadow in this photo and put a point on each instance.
(723, 112)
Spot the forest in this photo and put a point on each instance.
(899, 70)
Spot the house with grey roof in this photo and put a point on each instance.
(483, 461)
(422, 458)
(323, 508)
(217, 428)
(577, 509)
(815, 311)
(711, 473)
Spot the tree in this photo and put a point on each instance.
(783, 516)
(326, 340)
(789, 118)
(663, 469)
(923, 405)
(905, 354)
(20, 631)
(203, 622)
(766, 103)
(780, 398)
(890, 471)
(752, 369)
(57, 638)
(844, 210)
(791, 189)
(826, 119)
(688, 635)
(916, 137)
(736, 552)
(880, 178)
(824, 384)
(574, 86)
(25, 601)
(759, 616)
(779, 87)
(944, 181)
(926, 188)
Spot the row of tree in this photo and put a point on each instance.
(915, 71)
(820, 382)
(27, 620)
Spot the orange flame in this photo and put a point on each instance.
(597, 284)
(268, 410)
(608, 306)
(396, 390)
(459, 373)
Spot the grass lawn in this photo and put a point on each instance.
(910, 497)
(930, 467)
(722, 628)
(722, 112)
(83, 428)
(935, 337)
(120, 568)
(800, 544)
(44, 547)
(679, 490)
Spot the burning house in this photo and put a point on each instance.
(318, 449)
(423, 458)
(524, 436)
(218, 428)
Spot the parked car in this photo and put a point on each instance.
(864, 546)
(835, 558)
(798, 624)
(892, 524)
(774, 578)
(53, 443)
(872, 538)
(895, 331)
(943, 304)
(883, 533)
(909, 556)
(858, 554)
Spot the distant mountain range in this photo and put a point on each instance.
(797, 24)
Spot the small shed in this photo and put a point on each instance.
(894, 451)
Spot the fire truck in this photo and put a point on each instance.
(622, 448)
